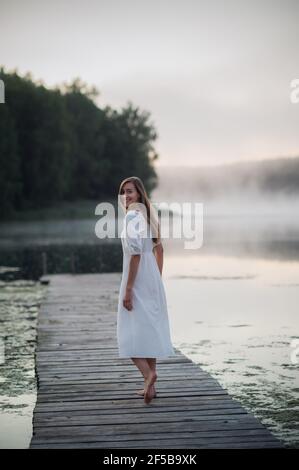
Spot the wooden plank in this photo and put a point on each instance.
(124, 404)
(43, 414)
(115, 395)
(209, 431)
(191, 443)
(123, 427)
(87, 394)
(163, 386)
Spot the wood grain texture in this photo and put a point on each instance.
(87, 395)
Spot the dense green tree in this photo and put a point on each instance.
(57, 144)
(10, 175)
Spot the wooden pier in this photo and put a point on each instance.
(87, 395)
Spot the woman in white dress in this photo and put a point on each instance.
(143, 332)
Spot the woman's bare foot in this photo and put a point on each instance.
(141, 392)
(148, 387)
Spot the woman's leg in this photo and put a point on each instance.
(152, 364)
(142, 365)
(149, 375)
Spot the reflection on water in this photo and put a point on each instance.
(19, 303)
(229, 316)
(71, 245)
(34, 261)
(233, 306)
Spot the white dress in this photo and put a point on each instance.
(142, 332)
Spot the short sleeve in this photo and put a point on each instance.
(134, 230)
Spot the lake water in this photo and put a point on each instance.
(233, 308)
(19, 303)
(237, 318)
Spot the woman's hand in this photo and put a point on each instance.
(127, 302)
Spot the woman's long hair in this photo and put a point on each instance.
(151, 214)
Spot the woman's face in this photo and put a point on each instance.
(130, 194)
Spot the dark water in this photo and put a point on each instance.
(19, 303)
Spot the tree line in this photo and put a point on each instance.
(59, 145)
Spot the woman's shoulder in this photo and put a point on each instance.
(133, 213)
(135, 217)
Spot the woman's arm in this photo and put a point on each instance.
(158, 252)
(133, 268)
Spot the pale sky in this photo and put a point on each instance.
(215, 75)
